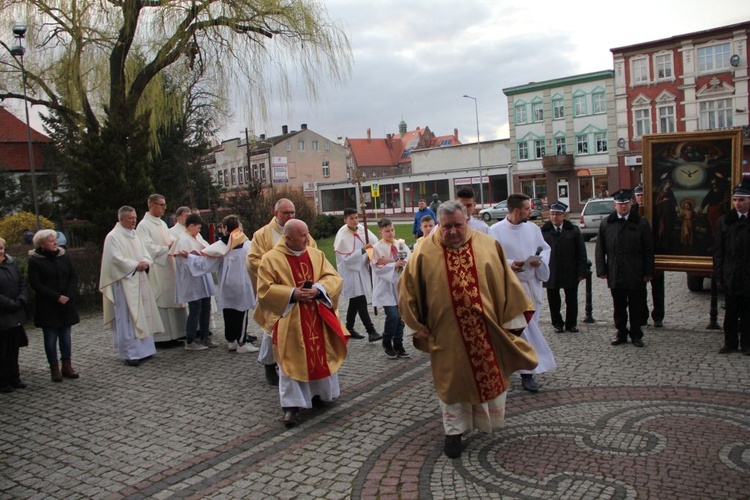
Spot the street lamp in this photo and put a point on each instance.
(479, 150)
(19, 32)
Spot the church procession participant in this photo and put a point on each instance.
(389, 256)
(227, 258)
(129, 305)
(657, 283)
(528, 257)
(264, 240)
(732, 269)
(196, 291)
(625, 258)
(351, 245)
(567, 266)
(158, 241)
(179, 222)
(466, 308)
(298, 291)
(465, 195)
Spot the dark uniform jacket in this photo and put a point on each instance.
(50, 275)
(14, 294)
(732, 254)
(567, 263)
(625, 251)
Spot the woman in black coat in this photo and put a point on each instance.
(13, 297)
(52, 277)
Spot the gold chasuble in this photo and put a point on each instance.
(462, 297)
(309, 341)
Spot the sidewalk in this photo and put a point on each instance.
(671, 420)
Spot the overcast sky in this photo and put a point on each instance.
(416, 59)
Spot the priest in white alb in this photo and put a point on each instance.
(129, 305)
(528, 257)
(158, 240)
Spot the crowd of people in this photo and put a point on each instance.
(469, 295)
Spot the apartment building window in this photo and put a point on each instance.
(300, 145)
(521, 114)
(599, 103)
(716, 114)
(315, 145)
(241, 174)
(663, 65)
(220, 177)
(713, 58)
(582, 144)
(262, 168)
(234, 176)
(326, 169)
(247, 174)
(288, 146)
(327, 146)
(666, 119)
(558, 109)
(523, 151)
(600, 139)
(640, 70)
(560, 147)
(226, 177)
(537, 112)
(539, 148)
(642, 120)
(579, 105)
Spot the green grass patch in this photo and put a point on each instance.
(403, 231)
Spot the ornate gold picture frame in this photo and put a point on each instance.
(687, 180)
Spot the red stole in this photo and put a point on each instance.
(463, 283)
(313, 315)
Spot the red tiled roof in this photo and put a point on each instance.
(12, 129)
(374, 152)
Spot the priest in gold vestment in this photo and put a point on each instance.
(298, 292)
(466, 308)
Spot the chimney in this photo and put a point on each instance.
(369, 135)
(262, 137)
(284, 129)
(455, 133)
(303, 126)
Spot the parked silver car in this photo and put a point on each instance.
(593, 212)
(500, 210)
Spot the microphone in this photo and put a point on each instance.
(538, 250)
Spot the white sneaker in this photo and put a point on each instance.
(247, 347)
(195, 346)
(232, 346)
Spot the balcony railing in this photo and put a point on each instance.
(555, 163)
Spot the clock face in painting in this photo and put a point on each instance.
(689, 175)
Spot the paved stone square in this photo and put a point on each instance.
(671, 420)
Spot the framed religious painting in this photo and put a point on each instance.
(687, 186)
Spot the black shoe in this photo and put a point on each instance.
(291, 418)
(559, 329)
(355, 334)
(374, 337)
(19, 385)
(727, 350)
(318, 403)
(272, 376)
(746, 353)
(132, 362)
(637, 342)
(401, 353)
(528, 383)
(619, 340)
(390, 352)
(658, 324)
(573, 329)
(452, 447)
(6, 389)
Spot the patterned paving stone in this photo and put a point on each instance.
(671, 420)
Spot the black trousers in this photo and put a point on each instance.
(633, 301)
(571, 307)
(235, 325)
(737, 321)
(657, 298)
(10, 342)
(358, 305)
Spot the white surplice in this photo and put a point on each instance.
(351, 260)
